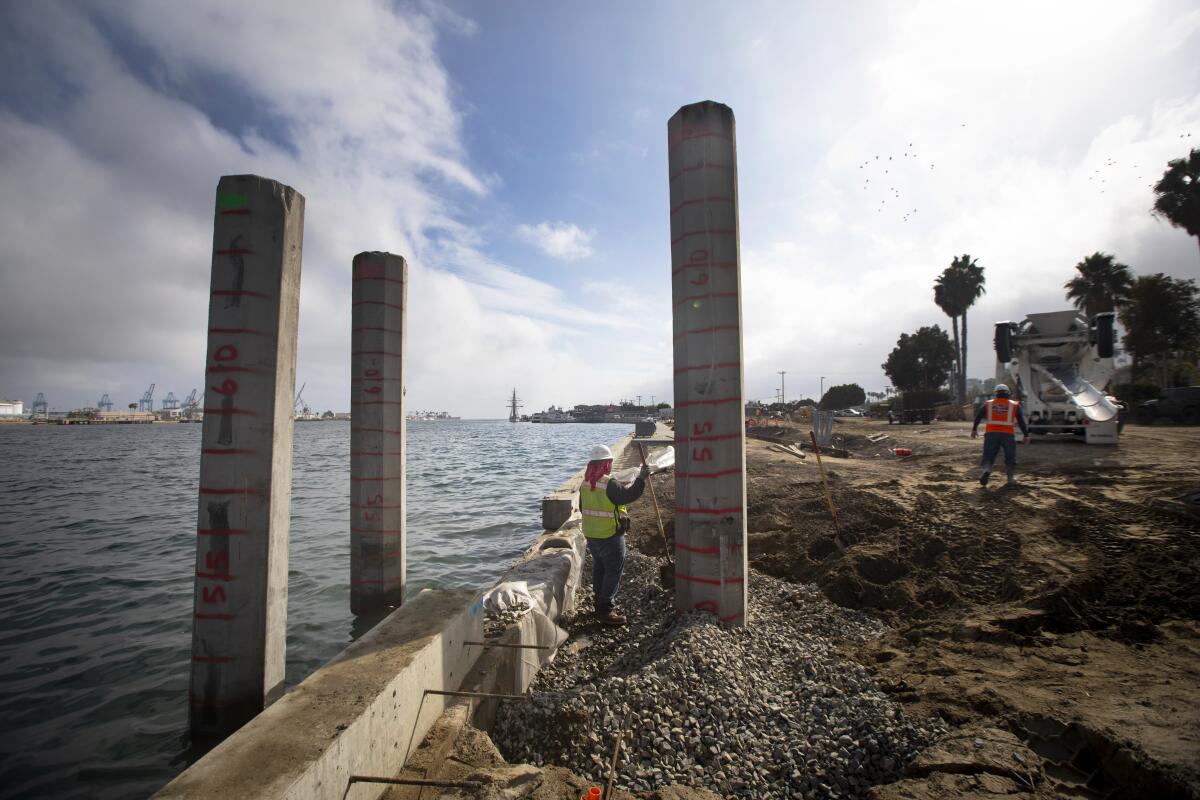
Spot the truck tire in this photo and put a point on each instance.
(1191, 416)
(1105, 338)
(1003, 342)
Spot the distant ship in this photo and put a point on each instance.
(552, 414)
(430, 416)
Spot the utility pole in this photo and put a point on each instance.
(782, 392)
(821, 399)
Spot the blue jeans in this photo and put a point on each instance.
(992, 443)
(608, 561)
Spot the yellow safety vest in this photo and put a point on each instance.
(600, 515)
(1000, 416)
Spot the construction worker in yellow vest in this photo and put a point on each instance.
(1001, 417)
(603, 501)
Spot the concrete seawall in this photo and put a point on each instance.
(368, 712)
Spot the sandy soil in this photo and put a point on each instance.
(1063, 611)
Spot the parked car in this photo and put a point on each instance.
(1181, 404)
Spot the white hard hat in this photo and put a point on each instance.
(1001, 388)
(601, 453)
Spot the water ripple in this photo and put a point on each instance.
(96, 555)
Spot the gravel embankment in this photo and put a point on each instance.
(765, 711)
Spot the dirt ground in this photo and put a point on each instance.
(1063, 610)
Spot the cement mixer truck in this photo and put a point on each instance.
(1058, 365)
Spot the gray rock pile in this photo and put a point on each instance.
(769, 710)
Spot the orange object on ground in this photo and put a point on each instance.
(901, 452)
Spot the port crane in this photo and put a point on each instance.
(147, 401)
(39, 407)
(190, 403)
(513, 405)
(105, 404)
(169, 402)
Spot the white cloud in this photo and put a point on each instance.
(562, 240)
(105, 248)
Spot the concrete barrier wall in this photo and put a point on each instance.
(361, 714)
(366, 711)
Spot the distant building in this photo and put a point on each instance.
(12, 408)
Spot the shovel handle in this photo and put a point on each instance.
(657, 516)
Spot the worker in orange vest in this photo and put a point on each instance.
(1001, 417)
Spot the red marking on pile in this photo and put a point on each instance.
(376, 303)
(238, 293)
(718, 402)
(216, 576)
(721, 474)
(375, 380)
(358, 278)
(687, 137)
(698, 167)
(702, 200)
(690, 298)
(709, 581)
(705, 265)
(378, 557)
(711, 232)
(714, 438)
(375, 328)
(732, 617)
(713, 511)
(704, 551)
(372, 506)
(722, 365)
(713, 329)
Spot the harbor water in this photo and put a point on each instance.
(97, 549)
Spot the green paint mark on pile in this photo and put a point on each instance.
(229, 201)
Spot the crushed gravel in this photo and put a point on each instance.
(769, 710)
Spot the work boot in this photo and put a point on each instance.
(1012, 480)
(611, 617)
(983, 477)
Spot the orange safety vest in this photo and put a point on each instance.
(1001, 416)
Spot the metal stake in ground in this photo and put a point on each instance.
(612, 767)
(240, 606)
(710, 451)
(837, 537)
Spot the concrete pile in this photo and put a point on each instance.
(769, 710)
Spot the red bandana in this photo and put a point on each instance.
(597, 470)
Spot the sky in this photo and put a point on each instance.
(515, 154)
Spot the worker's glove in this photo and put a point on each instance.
(645, 473)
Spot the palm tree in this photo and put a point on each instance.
(1178, 194)
(1101, 285)
(955, 291)
(943, 296)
